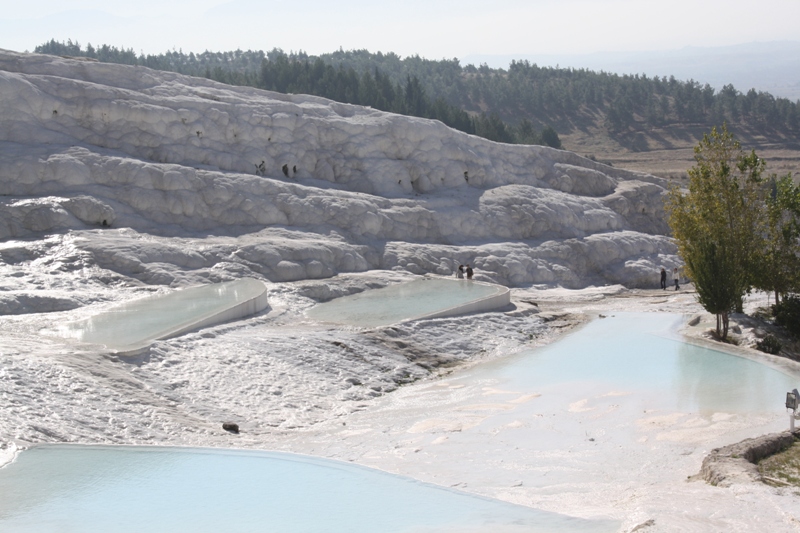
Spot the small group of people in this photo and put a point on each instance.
(675, 276)
(464, 269)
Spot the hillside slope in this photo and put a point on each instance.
(633, 121)
(292, 187)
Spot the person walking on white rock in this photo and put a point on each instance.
(677, 277)
(460, 272)
(663, 279)
(469, 272)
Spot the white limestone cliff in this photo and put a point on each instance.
(295, 187)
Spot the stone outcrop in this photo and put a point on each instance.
(737, 463)
(230, 427)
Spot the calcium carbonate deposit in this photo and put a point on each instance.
(120, 182)
(298, 187)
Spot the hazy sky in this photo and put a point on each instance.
(434, 29)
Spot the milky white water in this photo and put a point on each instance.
(640, 355)
(134, 489)
(604, 450)
(403, 301)
(611, 421)
(138, 323)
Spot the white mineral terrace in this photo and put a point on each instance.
(424, 298)
(119, 182)
(133, 326)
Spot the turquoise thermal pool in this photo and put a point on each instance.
(135, 325)
(641, 353)
(101, 489)
(621, 402)
(422, 298)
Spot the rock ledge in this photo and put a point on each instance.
(737, 463)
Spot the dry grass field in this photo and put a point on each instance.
(669, 153)
(782, 469)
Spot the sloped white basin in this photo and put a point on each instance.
(415, 300)
(133, 326)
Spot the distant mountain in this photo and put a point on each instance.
(772, 67)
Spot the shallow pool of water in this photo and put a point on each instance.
(640, 352)
(403, 301)
(613, 404)
(133, 489)
(139, 322)
(617, 404)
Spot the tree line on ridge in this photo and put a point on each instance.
(301, 74)
(525, 103)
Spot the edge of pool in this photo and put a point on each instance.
(501, 298)
(487, 303)
(594, 524)
(9, 454)
(247, 307)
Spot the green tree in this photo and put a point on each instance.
(719, 224)
(779, 270)
(492, 128)
(550, 137)
(416, 102)
(711, 266)
(526, 134)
